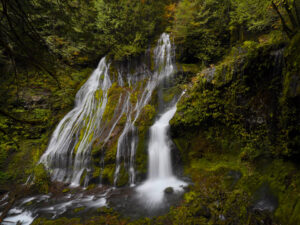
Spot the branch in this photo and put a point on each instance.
(297, 12)
(288, 31)
(290, 14)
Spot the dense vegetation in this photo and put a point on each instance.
(237, 128)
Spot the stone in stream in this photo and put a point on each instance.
(169, 190)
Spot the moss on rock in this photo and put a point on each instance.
(114, 93)
(41, 179)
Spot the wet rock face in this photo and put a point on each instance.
(176, 157)
(264, 199)
(32, 98)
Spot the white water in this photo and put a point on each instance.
(77, 129)
(68, 156)
(24, 218)
(160, 166)
(160, 175)
(25, 214)
(127, 143)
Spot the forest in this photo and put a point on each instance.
(150, 112)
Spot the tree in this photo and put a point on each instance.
(261, 15)
(43, 34)
(128, 25)
(201, 30)
(288, 9)
(252, 15)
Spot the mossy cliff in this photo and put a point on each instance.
(31, 105)
(122, 100)
(237, 129)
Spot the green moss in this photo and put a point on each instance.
(114, 94)
(78, 209)
(143, 123)
(99, 94)
(82, 178)
(123, 177)
(66, 221)
(213, 131)
(110, 154)
(41, 179)
(146, 118)
(108, 174)
(65, 190)
(134, 97)
(210, 172)
(91, 186)
(142, 154)
(123, 120)
(82, 134)
(230, 102)
(97, 172)
(190, 68)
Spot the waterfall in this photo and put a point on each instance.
(164, 67)
(160, 166)
(74, 134)
(160, 175)
(68, 156)
(86, 129)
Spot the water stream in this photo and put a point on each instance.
(160, 174)
(74, 134)
(68, 157)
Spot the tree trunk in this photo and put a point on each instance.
(297, 12)
(290, 14)
(286, 29)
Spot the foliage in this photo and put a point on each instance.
(263, 15)
(230, 99)
(127, 25)
(239, 116)
(204, 29)
(254, 15)
(46, 34)
(200, 29)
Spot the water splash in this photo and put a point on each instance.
(160, 174)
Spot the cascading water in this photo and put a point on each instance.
(160, 175)
(160, 166)
(68, 156)
(74, 134)
(164, 67)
